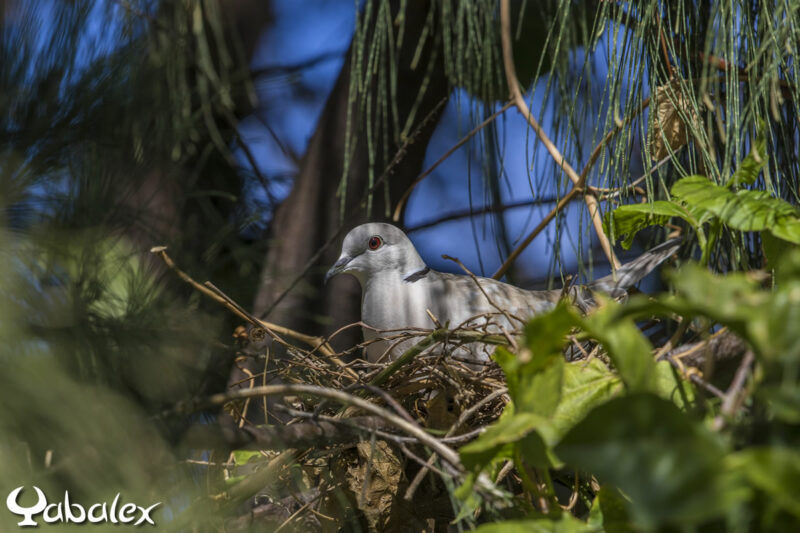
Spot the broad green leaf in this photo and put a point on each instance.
(730, 299)
(628, 349)
(566, 523)
(510, 428)
(786, 227)
(544, 334)
(628, 220)
(767, 320)
(534, 385)
(788, 265)
(534, 375)
(773, 248)
(586, 385)
(700, 192)
(743, 210)
(669, 466)
(758, 211)
(494, 446)
(773, 470)
(775, 332)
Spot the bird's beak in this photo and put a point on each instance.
(338, 267)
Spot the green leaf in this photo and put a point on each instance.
(773, 248)
(750, 167)
(493, 443)
(241, 457)
(743, 210)
(534, 375)
(730, 299)
(786, 227)
(783, 401)
(587, 384)
(628, 349)
(566, 523)
(700, 192)
(628, 220)
(767, 320)
(544, 334)
(669, 466)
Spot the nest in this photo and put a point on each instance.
(390, 475)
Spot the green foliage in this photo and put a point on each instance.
(668, 465)
(742, 210)
(627, 220)
(707, 207)
(649, 437)
(626, 346)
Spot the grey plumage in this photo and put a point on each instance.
(398, 288)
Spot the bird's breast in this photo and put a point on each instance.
(392, 304)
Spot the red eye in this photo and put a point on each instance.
(374, 242)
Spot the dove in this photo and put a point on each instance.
(398, 291)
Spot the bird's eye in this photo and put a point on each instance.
(374, 242)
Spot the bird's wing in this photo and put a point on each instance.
(457, 298)
(630, 274)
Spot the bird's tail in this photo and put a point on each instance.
(630, 274)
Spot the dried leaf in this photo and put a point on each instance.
(668, 129)
(375, 482)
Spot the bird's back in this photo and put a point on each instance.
(454, 301)
(478, 302)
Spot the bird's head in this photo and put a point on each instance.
(375, 248)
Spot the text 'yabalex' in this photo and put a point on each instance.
(67, 512)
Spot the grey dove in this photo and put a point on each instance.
(398, 288)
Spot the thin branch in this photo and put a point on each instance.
(403, 199)
(693, 375)
(536, 231)
(314, 434)
(274, 330)
(467, 213)
(733, 395)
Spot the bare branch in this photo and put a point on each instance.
(332, 394)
